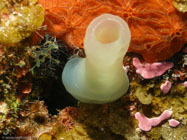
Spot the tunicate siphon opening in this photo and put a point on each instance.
(107, 32)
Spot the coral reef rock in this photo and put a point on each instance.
(19, 19)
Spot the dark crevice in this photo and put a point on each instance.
(48, 79)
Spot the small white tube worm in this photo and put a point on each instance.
(100, 77)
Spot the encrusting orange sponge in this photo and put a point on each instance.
(158, 29)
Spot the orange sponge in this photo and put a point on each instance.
(158, 29)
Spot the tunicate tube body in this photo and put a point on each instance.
(100, 77)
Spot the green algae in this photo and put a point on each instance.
(8, 87)
(42, 53)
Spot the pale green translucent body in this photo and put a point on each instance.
(100, 77)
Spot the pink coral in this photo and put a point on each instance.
(165, 87)
(173, 123)
(185, 84)
(151, 70)
(146, 124)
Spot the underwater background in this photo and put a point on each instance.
(39, 37)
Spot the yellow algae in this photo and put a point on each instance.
(19, 19)
(181, 5)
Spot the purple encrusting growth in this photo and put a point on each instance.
(165, 87)
(151, 70)
(173, 123)
(146, 124)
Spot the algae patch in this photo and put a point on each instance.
(19, 20)
(181, 5)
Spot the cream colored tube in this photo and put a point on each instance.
(100, 77)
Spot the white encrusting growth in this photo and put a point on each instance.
(100, 77)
